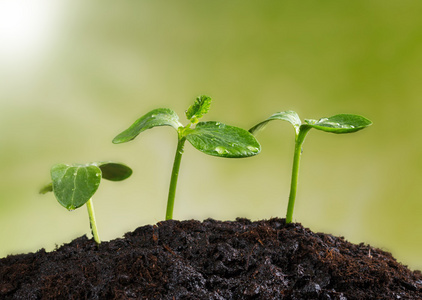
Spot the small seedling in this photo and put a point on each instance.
(212, 138)
(343, 123)
(74, 185)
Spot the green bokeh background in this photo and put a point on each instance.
(107, 63)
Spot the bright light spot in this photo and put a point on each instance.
(26, 28)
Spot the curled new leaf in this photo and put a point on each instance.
(199, 108)
(222, 140)
(156, 117)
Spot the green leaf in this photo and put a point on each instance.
(342, 123)
(47, 188)
(74, 185)
(221, 140)
(114, 171)
(198, 109)
(156, 117)
(289, 116)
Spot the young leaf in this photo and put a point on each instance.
(156, 117)
(222, 140)
(114, 171)
(74, 185)
(342, 123)
(289, 116)
(198, 109)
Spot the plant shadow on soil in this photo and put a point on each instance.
(211, 260)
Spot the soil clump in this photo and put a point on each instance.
(211, 260)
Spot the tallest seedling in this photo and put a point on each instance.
(343, 123)
(212, 138)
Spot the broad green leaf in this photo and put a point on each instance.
(74, 185)
(114, 171)
(198, 109)
(156, 117)
(342, 123)
(289, 116)
(221, 140)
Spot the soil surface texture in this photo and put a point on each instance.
(211, 260)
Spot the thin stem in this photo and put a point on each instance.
(174, 176)
(300, 138)
(93, 224)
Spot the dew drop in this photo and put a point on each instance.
(221, 150)
(252, 148)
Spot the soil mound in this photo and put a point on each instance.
(211, 260)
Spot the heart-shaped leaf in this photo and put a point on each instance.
(114, 171)
(156, 117)
(222, 140)
(289, 116)
(74, 185)
(198, 109)
(342, 123)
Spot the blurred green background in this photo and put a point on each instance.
(73, 75)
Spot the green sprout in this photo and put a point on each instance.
(343, 123)
(74, 185)
(212, 138)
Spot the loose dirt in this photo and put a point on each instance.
(211, 260)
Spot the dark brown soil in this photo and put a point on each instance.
(211, 260)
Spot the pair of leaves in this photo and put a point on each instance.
(73, 185)
(212, 138)
(342, 123)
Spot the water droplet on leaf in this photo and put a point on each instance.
(252, 148)
(221, 150)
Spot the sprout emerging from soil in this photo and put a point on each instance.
(343, 123)
(212, 138)
(74, 185)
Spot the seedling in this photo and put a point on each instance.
(212, 138)
(74, 185)
(343, 123)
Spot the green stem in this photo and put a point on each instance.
(93, 224)
(300, 138)
(174, 176)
